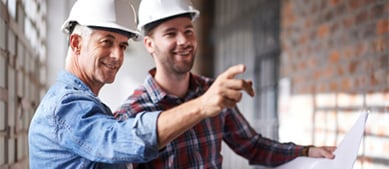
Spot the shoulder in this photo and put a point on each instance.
(137, 102)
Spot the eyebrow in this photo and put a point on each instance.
(190, 26)
(113, 37)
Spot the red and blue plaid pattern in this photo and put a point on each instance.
(200, 147)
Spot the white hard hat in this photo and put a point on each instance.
(154, 10)
(110, 14)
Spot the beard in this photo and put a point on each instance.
(177, 64)
(183, 67)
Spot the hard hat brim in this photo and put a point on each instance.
(107, 26)
(194, 15)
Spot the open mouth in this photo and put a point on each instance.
(183, 52)
(110, 66)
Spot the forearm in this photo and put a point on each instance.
(173, 122)
(225, 92)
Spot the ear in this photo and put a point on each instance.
(149, 44)
(75, 43)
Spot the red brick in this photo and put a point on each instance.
(352, 67)
(334, 2)
(321, 88)
(362, 17)
(323, 31)
(379, 76)
(361, 49)
(387, 82)
(348, 52)
(308, 23)
(379, 45)
(361, 81)
(288, 17)
(346, 84)
(373, 81)
(312, 62)
(348, 22)
(340, 71)
(328, 72)
(303, 39)
(355, 4)
(387, 7)
(334, 57)
(368, 2)
(378, 11)
(317, 75)
(333, 86)
(382, 26)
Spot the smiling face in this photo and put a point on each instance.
(98, 56)
(173, 45)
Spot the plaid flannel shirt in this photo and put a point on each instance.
(200, 146)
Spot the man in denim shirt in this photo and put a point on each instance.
(72, 128)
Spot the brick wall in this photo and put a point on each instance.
(335, 63)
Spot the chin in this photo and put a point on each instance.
(109, 81)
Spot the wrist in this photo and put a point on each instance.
(305, 150)
(204, 109)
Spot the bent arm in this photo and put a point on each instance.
(225, 92)
(86, 128)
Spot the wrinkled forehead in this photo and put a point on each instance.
(114, 31)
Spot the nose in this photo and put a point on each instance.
(182, 39)
(117, 53)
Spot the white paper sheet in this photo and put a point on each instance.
(345, 154)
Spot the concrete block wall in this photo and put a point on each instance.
(22, 75)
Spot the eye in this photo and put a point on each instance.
(170, 34)
(107, 42)
(124, 47)
(189, 32)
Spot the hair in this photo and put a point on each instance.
(82, 31)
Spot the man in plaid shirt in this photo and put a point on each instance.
(170, 39)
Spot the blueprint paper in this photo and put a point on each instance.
(345, 154)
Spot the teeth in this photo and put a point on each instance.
(183, 53)
(111, 66)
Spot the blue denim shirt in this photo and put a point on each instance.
(73, 129)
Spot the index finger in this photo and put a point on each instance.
(232, 71)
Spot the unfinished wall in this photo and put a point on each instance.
(22, 75)
(335, 63)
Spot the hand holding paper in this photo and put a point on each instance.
(345, 154)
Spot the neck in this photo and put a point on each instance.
(74, 69)
(173, 84)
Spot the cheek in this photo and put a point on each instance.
(164, 42)
(168, 45)
(194, 42)
(121, 61)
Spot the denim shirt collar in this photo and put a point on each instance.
(71, 79)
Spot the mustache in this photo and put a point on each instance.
(183, 49)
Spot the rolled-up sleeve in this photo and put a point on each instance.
(245, 141)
